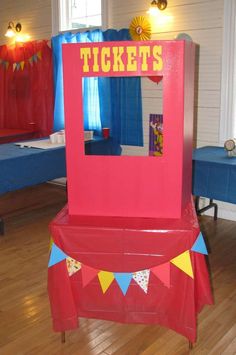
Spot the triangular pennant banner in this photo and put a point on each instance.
(88, 274)
(123, 279)
(105, 279)
(72, 265)
(56, 255)
(142, 279)
(199, 246)
(20, 65)
(162, 272)
(183, 262)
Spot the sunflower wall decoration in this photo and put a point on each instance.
(140, 29)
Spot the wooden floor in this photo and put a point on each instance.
(25, 324)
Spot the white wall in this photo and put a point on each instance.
(34, 16)
(203, 21)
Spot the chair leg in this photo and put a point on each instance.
(63, 337)
(190, 345)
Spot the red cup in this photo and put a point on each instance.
(106, 132)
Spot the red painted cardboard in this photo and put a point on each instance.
(125, 185)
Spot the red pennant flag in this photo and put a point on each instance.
(88, 274)
(162, 272)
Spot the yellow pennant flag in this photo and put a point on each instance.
(105, 279)
(50, 243)
(7, 65)
(183, 262)
(39, 55)
(22, 64)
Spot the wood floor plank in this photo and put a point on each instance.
(227, 338)
(230, 350)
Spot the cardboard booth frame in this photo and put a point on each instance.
(128, 186)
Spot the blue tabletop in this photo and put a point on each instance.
(22, 167)
(214, 174)
(13, 151)
(213, 155)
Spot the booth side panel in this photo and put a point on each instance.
(188, 121)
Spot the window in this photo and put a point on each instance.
(85, 14)
(80, 14)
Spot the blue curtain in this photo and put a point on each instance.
(108, 102)
(91, 105)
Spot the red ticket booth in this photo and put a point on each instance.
(123, 250)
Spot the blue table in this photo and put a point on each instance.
(214, 176)
(23, 167)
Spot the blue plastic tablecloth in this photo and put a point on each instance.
(214, 174)
(22, 167)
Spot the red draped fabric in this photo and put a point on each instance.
(124, 244)
(26, 87)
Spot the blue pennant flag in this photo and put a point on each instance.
(199, 246)
(56, 255)
(123, 279)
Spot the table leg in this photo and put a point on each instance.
(63, 337)
(190, 345)
(1, 226)
(197, 198)
(210, 205)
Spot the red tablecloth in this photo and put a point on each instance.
(8, 135)
(128, 245)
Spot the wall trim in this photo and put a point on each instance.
(225, 210)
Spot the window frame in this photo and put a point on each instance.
(228, 76)
(57, 20)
